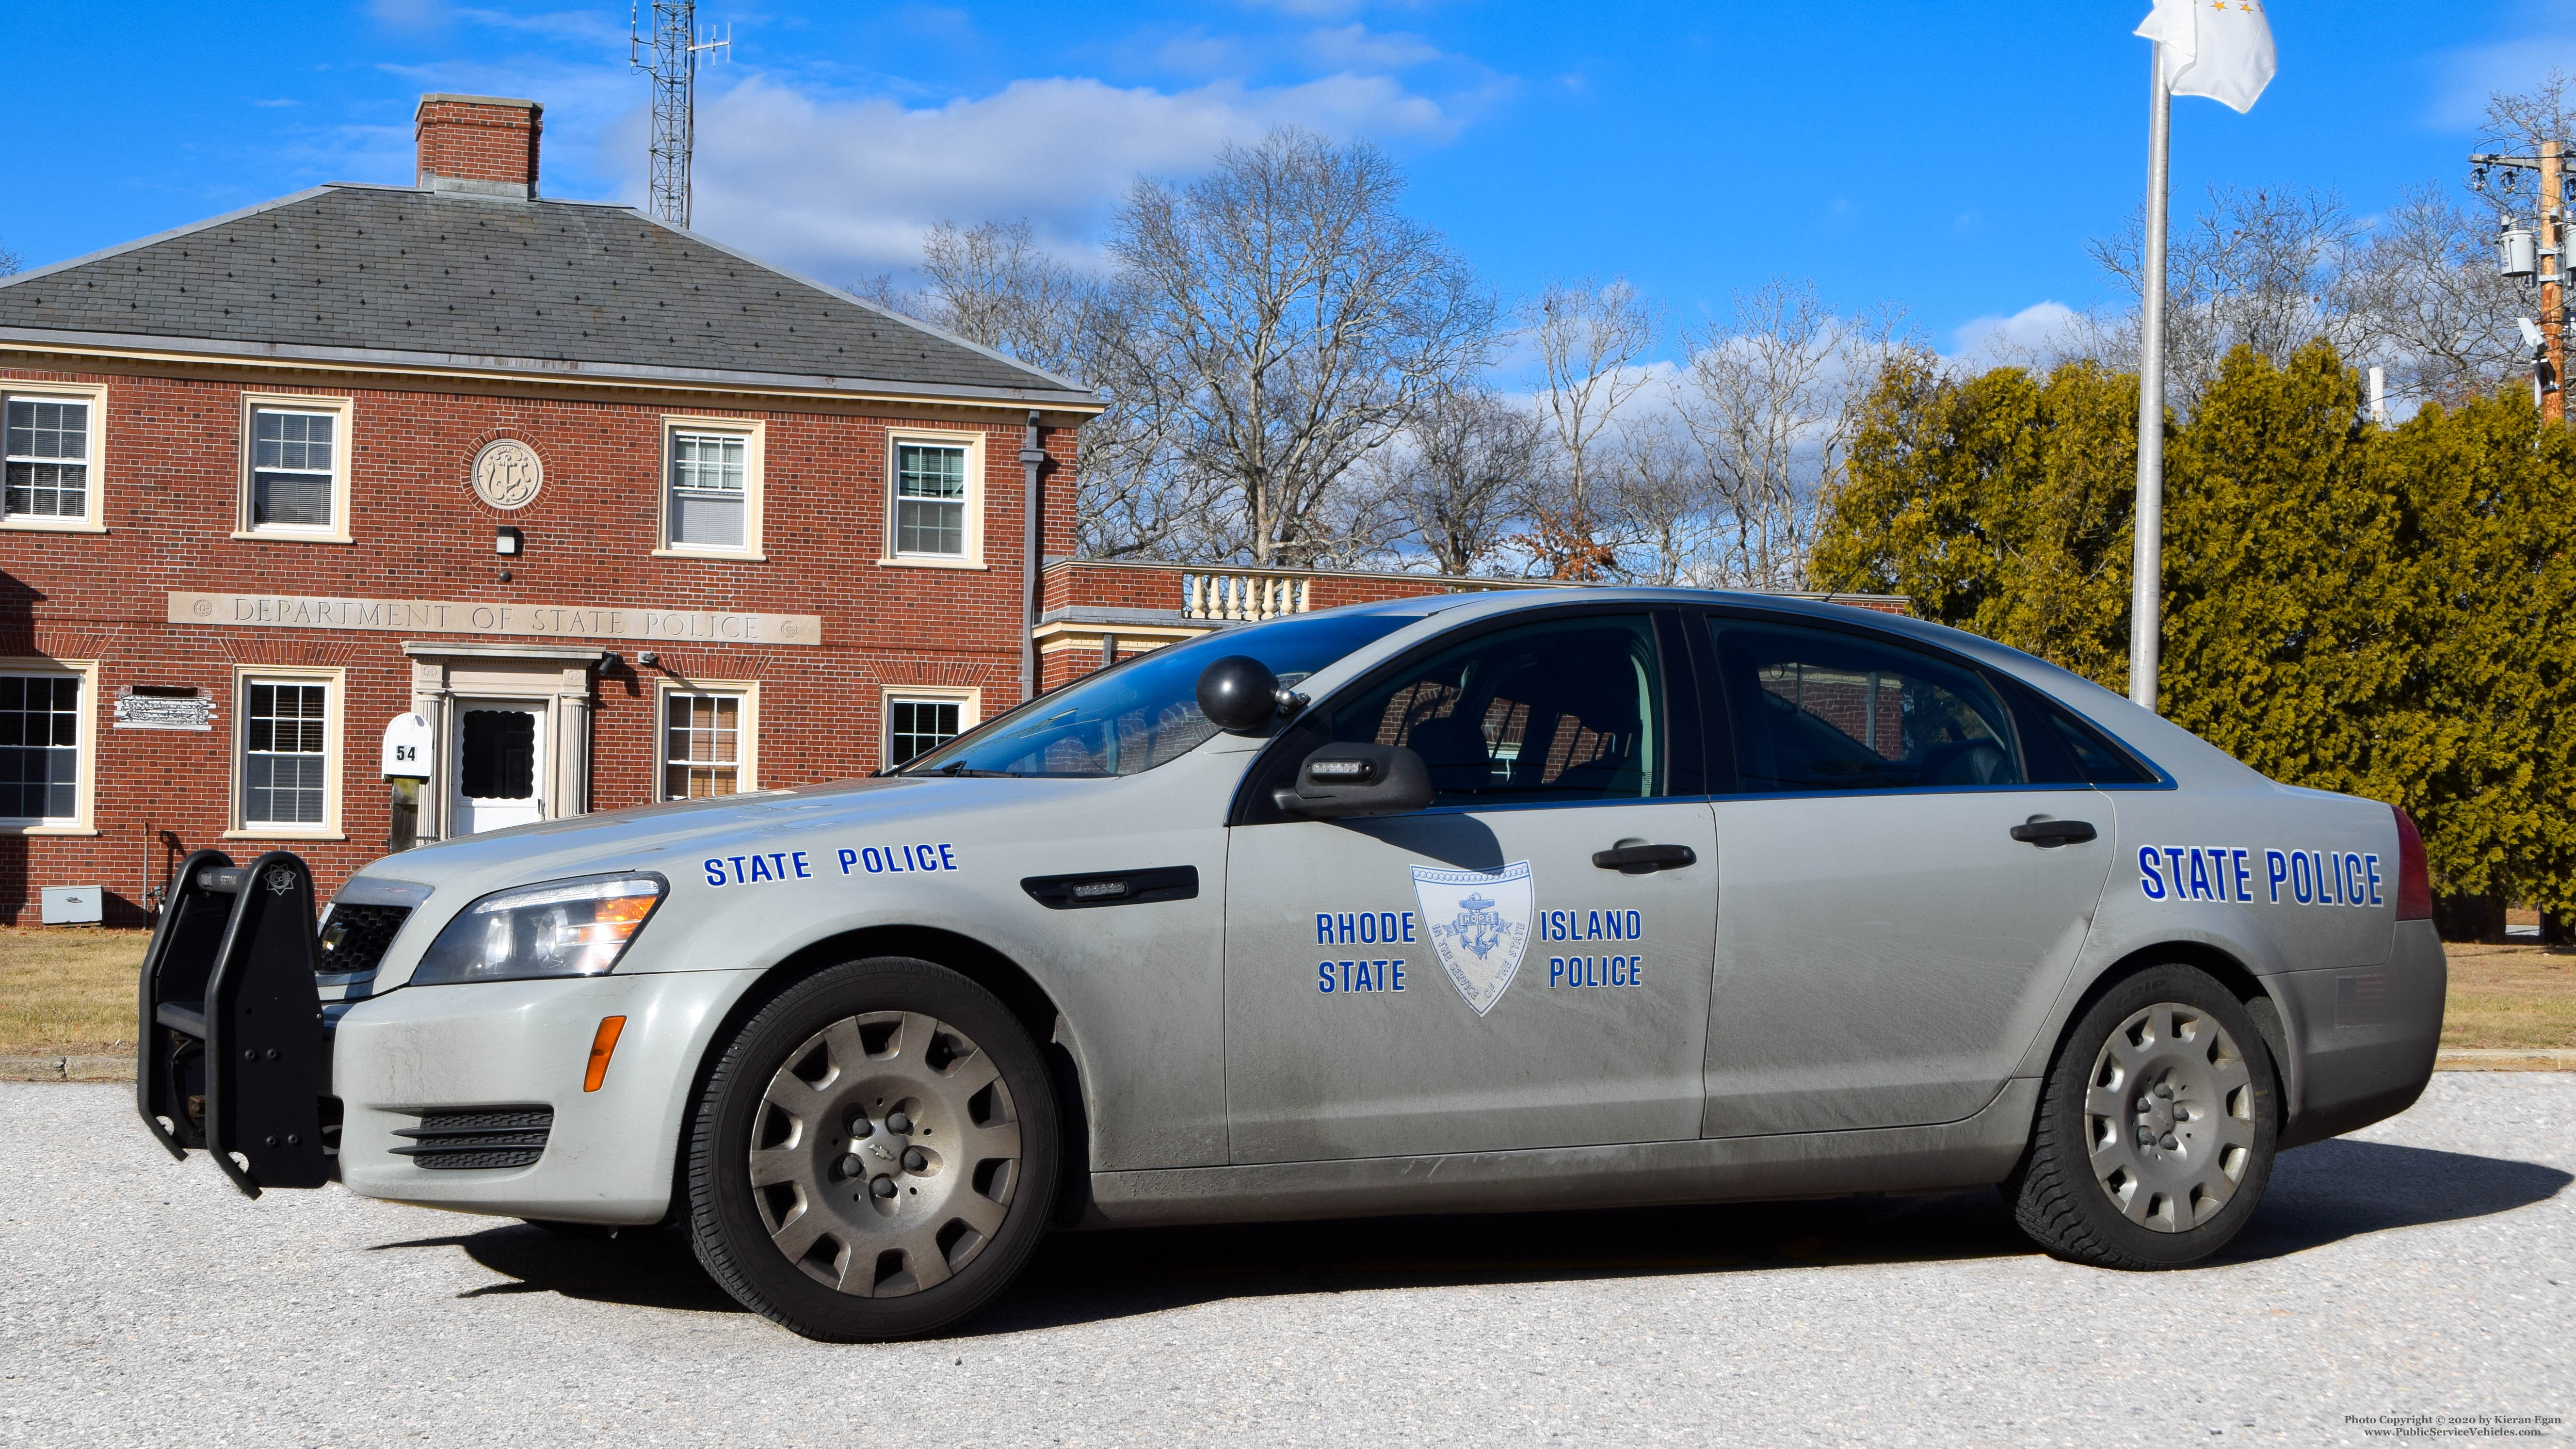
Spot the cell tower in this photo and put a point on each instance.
(675, 45)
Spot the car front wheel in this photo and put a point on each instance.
(2155, 1129)
(875, 1153)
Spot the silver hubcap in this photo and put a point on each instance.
(886, 1154)
(2169, 1117)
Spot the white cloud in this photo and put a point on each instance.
(841, 189)
(2033, 332)
(2472, 73)
(1356, 47)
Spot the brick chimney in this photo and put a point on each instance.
(481, 145)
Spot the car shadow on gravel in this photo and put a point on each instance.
(2343, 1188)
(2319, 1195)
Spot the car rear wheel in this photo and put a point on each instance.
(2155, 1129)
(875, 1153)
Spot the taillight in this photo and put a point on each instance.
(2414, 878)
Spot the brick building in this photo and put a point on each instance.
(624, 514)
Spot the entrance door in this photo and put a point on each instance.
(1887, 948)
(500, 765)
(1468, 978)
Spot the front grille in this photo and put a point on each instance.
(354, 938)
(481, 1137)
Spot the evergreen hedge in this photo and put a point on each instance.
(2384, 611)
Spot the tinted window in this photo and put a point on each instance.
(2096, 759)
(1815, 709)
(1128, 719)
(1568, 709)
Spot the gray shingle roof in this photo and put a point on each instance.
(400, 270)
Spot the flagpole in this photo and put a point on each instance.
(2146, 582)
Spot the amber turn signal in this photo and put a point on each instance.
(603, 1042)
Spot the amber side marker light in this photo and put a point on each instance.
(603, 1043)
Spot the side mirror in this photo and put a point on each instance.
(1358, 779)
(1238, 694)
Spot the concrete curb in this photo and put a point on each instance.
(2505, 1059)
(67, 1069)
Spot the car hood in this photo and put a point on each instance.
(672, 838)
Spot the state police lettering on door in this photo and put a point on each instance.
(2227, 873)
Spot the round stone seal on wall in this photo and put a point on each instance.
(507, 474)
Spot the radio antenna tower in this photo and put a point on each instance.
(675, 45)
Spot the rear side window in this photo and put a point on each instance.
(2064, 750)
(1818, 710)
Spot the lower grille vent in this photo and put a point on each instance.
(483, 1137)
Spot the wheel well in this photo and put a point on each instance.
(2231, 973)
(1027, 1002)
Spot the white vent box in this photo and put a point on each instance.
(73, 905)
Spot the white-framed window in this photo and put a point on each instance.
(50, 453)
(935, 499)
(48, 745)
(919, 719)
(711, 487)
(287, 746)
(709, 739)
(295, 468)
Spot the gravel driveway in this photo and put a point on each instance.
(2425, 1268)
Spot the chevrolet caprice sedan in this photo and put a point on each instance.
(1474, 903)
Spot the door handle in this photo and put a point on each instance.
(1645, 859)
(2050, 834)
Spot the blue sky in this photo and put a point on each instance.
(1949, 158)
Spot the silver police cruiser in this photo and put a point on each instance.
(1475, 903)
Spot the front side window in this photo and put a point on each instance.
(47, 447)
(701, 746)
(1817, 709)
(291, 475)
(39, 747)
(1566, 709)
(915, 727)
(709, 473)
(285, 753)
(1141, 713)
(930, 500)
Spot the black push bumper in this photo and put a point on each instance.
(230, 1045)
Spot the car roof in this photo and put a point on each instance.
(2180, 753)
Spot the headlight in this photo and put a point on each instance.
(563, 928)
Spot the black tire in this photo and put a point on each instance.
(2092, 1189)
(954, 1098)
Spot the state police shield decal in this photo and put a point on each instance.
(1479, 921)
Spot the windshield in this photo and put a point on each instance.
(1128, 719)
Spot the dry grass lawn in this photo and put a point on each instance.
(70, 992)
(2510, 996)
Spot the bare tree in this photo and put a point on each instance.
(993, 284)
(2425, 302)
(1452, 479)
(1662, 502)
(1302, 317)
(10, 262)
(1770, 399)
(1591, 341)
(2521, 120)
(2253, 267)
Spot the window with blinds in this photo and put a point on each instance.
(701, 746)
(291, 479)
(46, 442)
(285, 753)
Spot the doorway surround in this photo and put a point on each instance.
(445, 676)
